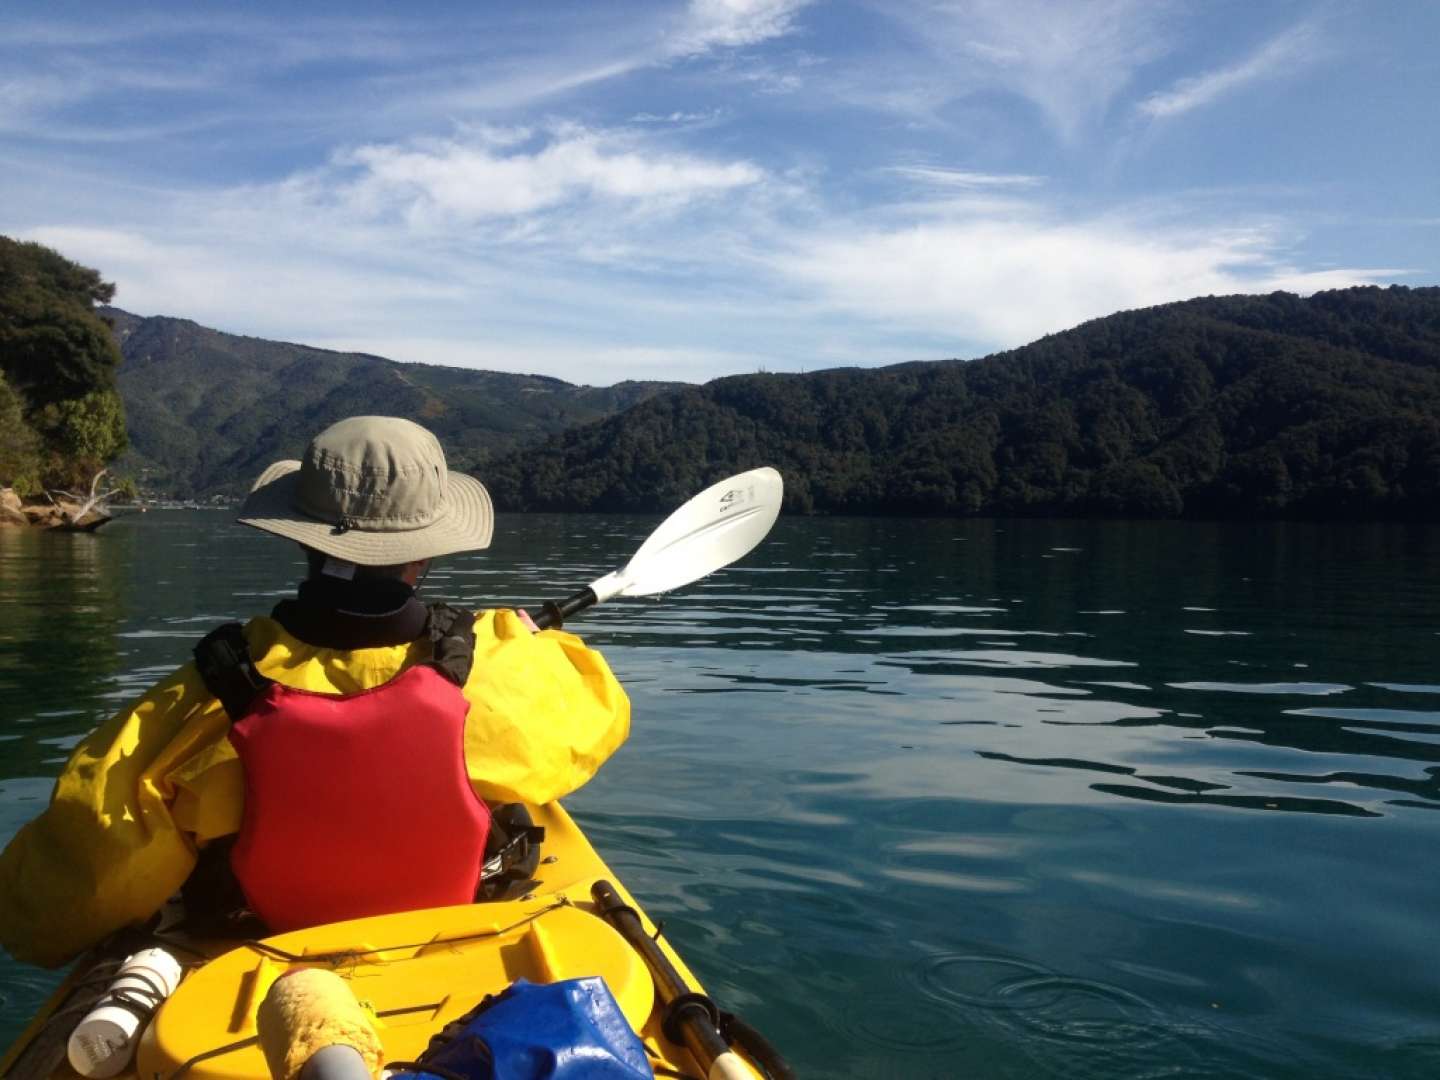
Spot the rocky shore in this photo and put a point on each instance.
(16, 513)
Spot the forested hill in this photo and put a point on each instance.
(1224, 406)
(208, 411)
(61, 418)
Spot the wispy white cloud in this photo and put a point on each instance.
(86, 81)
(513, 173)
(83, 33)
(407, 75)
(373, 76)
(936, 176)
(1069, 59)
(33, 98)
(24, 97)
(44, 104)
(677, 117)
(357, 74)
(1004, 281)
(254, 40)
(510, 85)
(728, 24)
(1286, 278)
(1281, 56)
(206, 272)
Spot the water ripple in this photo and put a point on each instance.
(1304, 688)
(1070, 1026)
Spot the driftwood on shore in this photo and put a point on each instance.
(86, 524)
(63, 511)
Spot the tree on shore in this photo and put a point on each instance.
(19, 443)
(61, 417)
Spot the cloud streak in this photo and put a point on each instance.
(935, 176)
(57, 72)
(1069, 59)
(568, 190)
(453, 180)
(730, 24)
(1283, 55)
(1003, 281)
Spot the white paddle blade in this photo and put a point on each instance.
(716, 527)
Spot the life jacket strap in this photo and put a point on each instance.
(452, 642)
(223, 660)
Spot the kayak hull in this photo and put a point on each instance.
(414, 971)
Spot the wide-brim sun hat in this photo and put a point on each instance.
(372, 490)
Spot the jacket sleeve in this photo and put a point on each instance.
(107, 851)
(545, 711)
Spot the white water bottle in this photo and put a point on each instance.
(103, 1043)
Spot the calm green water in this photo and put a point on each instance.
(936, 798)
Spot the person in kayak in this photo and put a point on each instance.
(345, 750)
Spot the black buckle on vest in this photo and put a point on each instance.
(512, 853)
(452, 642)
(223, 660)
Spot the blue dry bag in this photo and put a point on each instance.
(556, 1031)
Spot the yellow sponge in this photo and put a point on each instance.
(307, 1010)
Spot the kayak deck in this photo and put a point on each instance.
(416, 971)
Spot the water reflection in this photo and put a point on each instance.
(947, 798)
(66, 599)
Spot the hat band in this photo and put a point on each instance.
(345, 519)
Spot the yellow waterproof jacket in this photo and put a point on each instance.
(141, 794)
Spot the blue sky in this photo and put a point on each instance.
(602, 191)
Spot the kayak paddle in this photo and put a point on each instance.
(713, 529)
(691, 1019)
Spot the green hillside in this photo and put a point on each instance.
(1327, 406)
(208, 410)
(61, 418)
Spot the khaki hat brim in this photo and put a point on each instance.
(466, 524)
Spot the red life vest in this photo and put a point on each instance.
(359, 804)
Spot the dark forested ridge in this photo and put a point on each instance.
(1327, 406)
(208, 410)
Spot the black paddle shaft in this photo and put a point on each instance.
(553, 613)
(689, 1017)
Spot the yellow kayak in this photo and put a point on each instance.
(414, 972)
